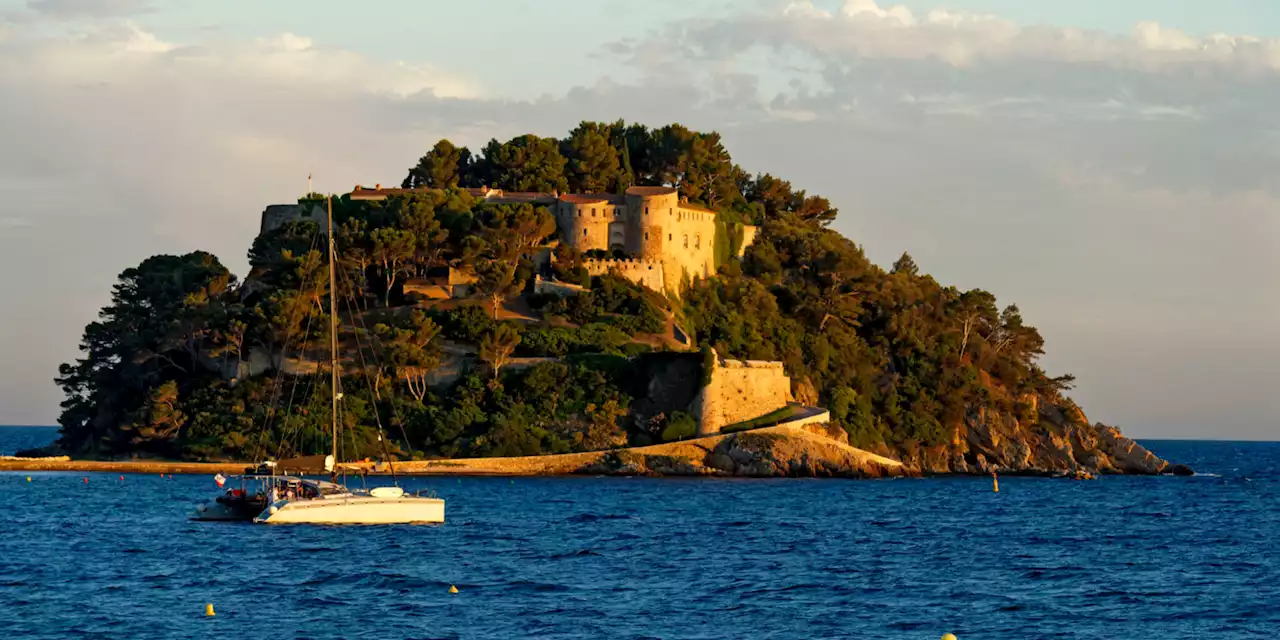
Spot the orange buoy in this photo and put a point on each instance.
(86, 480)
(121, 478)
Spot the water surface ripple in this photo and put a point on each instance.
(666, 558)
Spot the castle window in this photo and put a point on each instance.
(646, 235)
(686, 241)
(584, 233)
(646, 211)
(697, 241)
(669, 238)
(593, 212)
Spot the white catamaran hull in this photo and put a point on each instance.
(355, 509)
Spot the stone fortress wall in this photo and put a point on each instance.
(649, 223)
(739, 391)
(277, 215)
(673, 238)
(648, 273)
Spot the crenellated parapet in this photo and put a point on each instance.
(751, 364)
(648, 273)
(672, 240)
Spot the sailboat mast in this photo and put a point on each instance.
(333, 337)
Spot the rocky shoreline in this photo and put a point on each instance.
(1070, 449)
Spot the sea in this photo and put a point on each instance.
(1117, 558)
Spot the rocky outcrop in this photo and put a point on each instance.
(809, 451)
(1054, 438)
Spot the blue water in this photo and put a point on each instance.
(1117, 558)
(14, 439)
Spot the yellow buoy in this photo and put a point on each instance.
(948, 636)
(995, 483)
(208, 609)
(28, 478)
(453, 589)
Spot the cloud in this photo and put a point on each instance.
(119, 53)
(120, 144)
(90, 9)
(1119, 188)
(8, 222)
(865, 29)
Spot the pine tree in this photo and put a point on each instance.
(626, 177)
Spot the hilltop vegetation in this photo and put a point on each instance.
(187, 361)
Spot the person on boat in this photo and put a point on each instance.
(275, 495)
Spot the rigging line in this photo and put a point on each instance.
(276, 385)
(288, 436)
(373, 352)
(364, 368)
(284, 434)
(292, 393)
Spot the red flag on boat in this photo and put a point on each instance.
(220, 479)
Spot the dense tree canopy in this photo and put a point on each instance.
(188, 362)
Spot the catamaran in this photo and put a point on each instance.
(269, 495)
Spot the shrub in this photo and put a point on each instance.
(467, 323)
(680, 426)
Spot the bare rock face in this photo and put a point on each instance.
(1057, 441)
(815, 451)
(770, 455)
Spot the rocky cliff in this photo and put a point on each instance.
(809, 451)
(1053, 438)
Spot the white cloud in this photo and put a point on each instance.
(119, 144)
(868, 9)
(1153, 36)
(91, 9)
(120, 52)
(1069, 171)
(867, 29)
(805, 9)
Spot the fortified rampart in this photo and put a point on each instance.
(738, 391)
(277, 215)
(674, 238)
(749, 232)
(555, 287)
(648, 273)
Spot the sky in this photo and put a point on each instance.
(1108, 166)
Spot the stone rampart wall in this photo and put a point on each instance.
(555, 287)
(740, 391)
(648, 273)
(276, 215)
(748, 236)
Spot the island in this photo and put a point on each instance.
(624, 300)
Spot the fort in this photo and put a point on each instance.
(737, 391)
(668, 239)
